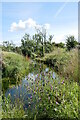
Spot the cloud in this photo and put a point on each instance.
(28, 24)
(62, 37)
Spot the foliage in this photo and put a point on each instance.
(10, 47)
(61, 45)
(14, 67)
(38, 44)
(10, 110)
(64, 63)
(57, 99)
(50, 98)
(71, 42)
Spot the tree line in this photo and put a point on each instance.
(38, 44)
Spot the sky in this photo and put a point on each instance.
(59, 18)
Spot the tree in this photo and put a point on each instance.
(61, 45)
(42, 33)
(71, 42)
(8, 46)
(27, 45)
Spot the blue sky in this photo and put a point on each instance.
(61, 19)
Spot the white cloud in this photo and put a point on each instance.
(61, 37)
(14, 26)
(30, 23)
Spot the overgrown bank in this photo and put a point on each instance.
(14, 67)
(65, 63)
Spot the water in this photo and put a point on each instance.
(20, 91)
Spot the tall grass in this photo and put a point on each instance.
(56, 98)
(63, 62)
(14, 67)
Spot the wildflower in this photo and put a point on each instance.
(53, 75)
(57, 103)
(31, 97)
(62, 82)
(51, 87)
(47, 69)
(39, 98)
(34, 92)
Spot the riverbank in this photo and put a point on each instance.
(14, 67)
(65, 63)
(53, 98)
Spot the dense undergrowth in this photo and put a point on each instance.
(53, 98)
(15, 67)
(65, 63)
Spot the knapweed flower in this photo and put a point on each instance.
(62, 82)
(57, 103)
(31, 97)
(51, 87)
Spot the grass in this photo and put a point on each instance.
(14, 66)
(64, 63)
(53, 98)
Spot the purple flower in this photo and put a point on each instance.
(62, 82)
(53, 75)
(34, 92)
(31, 97)
(39, 98)
(57, 103)
(51, 87)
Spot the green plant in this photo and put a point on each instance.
(15, 67)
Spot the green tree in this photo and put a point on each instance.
(71, 42)
(61, 45)
(8, 46)
(27, 45)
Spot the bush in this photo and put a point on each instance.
(14, 67)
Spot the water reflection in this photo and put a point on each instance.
(22, 92)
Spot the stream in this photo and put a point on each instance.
(20, 91)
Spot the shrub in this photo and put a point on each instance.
(14, 67)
